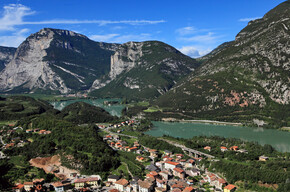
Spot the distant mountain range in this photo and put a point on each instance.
(247, 78)
(61, 61)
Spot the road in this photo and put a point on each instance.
(187, 149)
(120, 134)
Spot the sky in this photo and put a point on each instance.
(195, 27)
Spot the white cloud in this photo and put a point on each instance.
(99, 22)
(103, 38)
(13, 15)
(118, 38)
(209, 38)
(186, 31)
(249, 19)
(15, 39)
(194, 51)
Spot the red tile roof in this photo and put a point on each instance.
(84, 180)
(114, 190)
(222, 181)
(28, 183)
(154, 173)
(188, 189)
(19, 186)
(172, 163)
(230, 187)
(122, 182)
(179, 170)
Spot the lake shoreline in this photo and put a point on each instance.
(202, 121)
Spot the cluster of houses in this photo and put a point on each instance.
(172, 173)
(224, 149)
(79, 184)
(130, 122)
(40, 132)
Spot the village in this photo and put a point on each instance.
(164, 170)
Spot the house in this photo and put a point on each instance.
(165, 158)
(171, 165)
(60, 187)
(263, 158)
(182, 162)
(164, 174)
(208, 148)
(161, 184)
(38, 181)
(223, 149)
(28, 185)
(128, 188)
(159, 189)
(179, 155)
(132, 149)
(18, 188)
(234, 148)
(193, 172)
(220, 183)
(28, 131)
(188, 189)
(229, 188)
(152, 167)
(83, 182)
(145, 186)
(153, 152)
(179, 172)
(134, 184)
(167, 152)
(152, 174)
(9, 145)
(121, 184)
(114, 190)
(136, 144)
(242, 151)
(140, 158)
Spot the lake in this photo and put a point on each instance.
(280, 140)
(115, 110)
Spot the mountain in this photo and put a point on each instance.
(143, 70)
(54, 60)
(243, 80)
(6, 55)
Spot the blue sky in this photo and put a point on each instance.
(195, 27)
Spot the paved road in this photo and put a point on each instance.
(113, 133)
(187, 149)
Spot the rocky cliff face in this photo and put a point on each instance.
(143, 70)
(56, 60)
(6, 55)
(28, 70)
(243, 79)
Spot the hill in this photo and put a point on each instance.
(16, 107)
(81, 112)
(244, 80)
